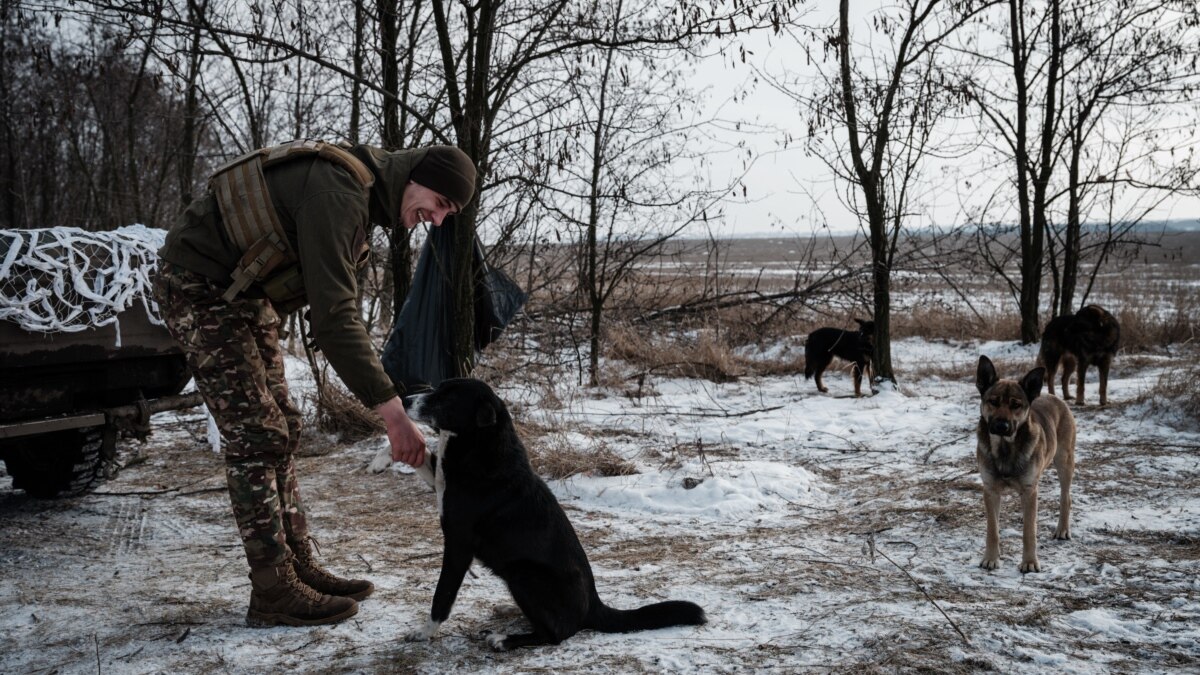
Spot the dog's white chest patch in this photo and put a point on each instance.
(439, 476)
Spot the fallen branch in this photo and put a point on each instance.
(860, 447)
(1127, 444)
(661, 412)
(155, 493)
(422, 556)
(871, 543)
(935, 448)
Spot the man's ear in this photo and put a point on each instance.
(985, 375)
(1031, 384)
(485, 416)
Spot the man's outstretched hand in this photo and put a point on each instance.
(408, 443)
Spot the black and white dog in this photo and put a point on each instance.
(494, 508)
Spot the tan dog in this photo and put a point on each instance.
(1019, 434)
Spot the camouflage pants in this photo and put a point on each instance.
(233, 351)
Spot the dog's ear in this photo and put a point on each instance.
(985, 375)
(1032, 383)
(485, 416)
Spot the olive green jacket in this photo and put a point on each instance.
(326, 215)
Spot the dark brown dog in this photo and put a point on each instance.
(1091, 336)
(854, 346)
(1019, 434)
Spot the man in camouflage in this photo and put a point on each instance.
(232, 346)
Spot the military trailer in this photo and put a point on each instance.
(69, 391)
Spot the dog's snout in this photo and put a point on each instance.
(413, 405)
(1000, 427)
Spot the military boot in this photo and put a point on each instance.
(320, 578)
(277, 596)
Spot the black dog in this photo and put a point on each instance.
(494, 508)
(1089, 337)
(855, 346)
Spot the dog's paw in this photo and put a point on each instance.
(381, 462)
(1028, 566)
(1062, 533)
(990, 562)
(506, 611)
(424, 632)
(496, 642)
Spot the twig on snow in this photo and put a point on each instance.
(1143, 444)
(871, 543)
(935, 448)
(154, 493)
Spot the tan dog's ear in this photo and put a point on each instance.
(1032, 383)
(485, 416)
(985, 375)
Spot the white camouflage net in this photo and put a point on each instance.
(64, 279)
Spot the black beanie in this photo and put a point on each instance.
(447, 171)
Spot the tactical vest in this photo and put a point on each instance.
(253, 226)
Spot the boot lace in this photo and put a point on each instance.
(305, 557)
(300, 587)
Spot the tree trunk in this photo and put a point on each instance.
(881, 282)
(462, 288)
(186, 161)
(8, 178)
(595, 293)
(470, 108)
(357, 60)
(1030, 282)
(400, 254)
(870, 182)
(1071, 238)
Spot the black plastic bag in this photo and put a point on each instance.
(497, 299)
(418, 350)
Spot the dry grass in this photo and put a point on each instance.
(938, 322)
(553, 455)
(337, 412)
(1177, 390)
(702, 354)
(1142, 328)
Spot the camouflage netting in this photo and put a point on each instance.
(64, 279)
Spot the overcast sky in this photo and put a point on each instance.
(789, 192)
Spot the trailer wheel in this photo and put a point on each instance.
(60, 464)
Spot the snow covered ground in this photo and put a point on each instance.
(825, 533)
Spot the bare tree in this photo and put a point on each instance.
(1084, 93)
(491, 52)
(1127, 82)
(615, 186)
(99, 130)
(1033, 58)
(888, 108)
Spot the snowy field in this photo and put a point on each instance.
(826, 533)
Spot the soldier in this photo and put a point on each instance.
(280, 228)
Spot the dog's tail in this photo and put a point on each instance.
(808, 370)
(659, 615)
